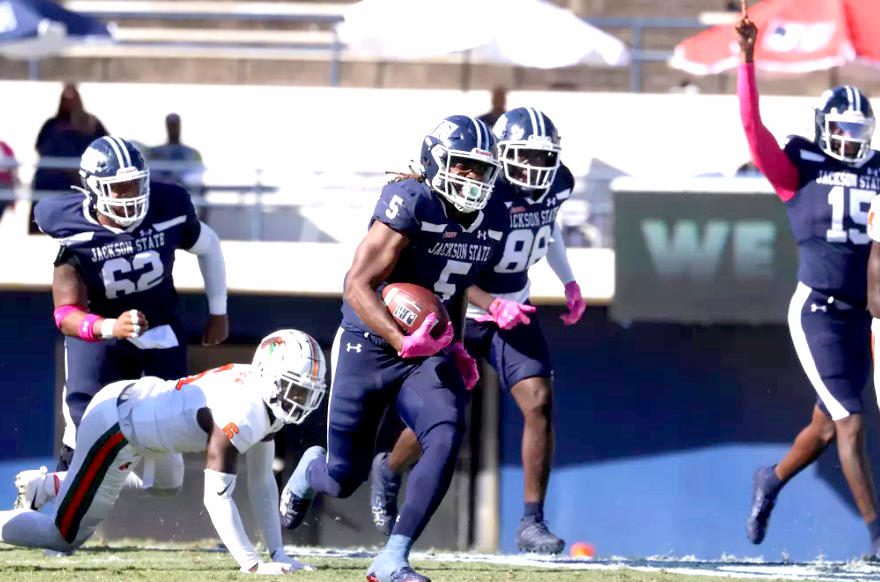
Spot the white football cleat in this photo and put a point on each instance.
(31, 488)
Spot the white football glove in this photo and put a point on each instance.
(282, 558)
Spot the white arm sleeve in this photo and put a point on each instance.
(557, 256)
(226, 519)
(263, 493)
(213, 268)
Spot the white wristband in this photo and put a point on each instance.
(107, 327)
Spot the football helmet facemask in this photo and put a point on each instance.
(458, 158)
(844, 124)
(116, 179)
(528, 148)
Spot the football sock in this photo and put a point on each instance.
(312, 474)
(770, 482)
(388, 476)
(429, 479)
(534, 510)
(393, 557)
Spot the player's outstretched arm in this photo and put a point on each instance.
(213, 268)
(263, 495)
(220, 465)
(373, 262)
(69, 296)
(770, 159)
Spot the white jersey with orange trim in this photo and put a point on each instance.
(159, 416)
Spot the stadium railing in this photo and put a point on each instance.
(253, 204)
(173, 42)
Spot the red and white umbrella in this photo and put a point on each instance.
(794, 36)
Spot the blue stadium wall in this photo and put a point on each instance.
(659, 429)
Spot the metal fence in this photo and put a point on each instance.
(263, 204)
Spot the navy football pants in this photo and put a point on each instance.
(368, 375)
(516, 354)
(833, 342)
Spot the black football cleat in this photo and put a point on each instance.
(293, 509)
(383, 495)
(763, 500)
(405, 574)
(874, 556)
(534, 536)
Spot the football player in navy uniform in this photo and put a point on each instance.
(827, 185)
(437, 229)
(112, 285)
(533, 187)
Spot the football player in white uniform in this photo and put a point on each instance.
(233, 409)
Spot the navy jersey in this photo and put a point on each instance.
(441, 255)
(828, 215)
(531, 226)
(124, 269)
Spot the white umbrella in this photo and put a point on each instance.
(32, 29)
(529, 33)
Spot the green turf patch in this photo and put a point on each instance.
(200, 562)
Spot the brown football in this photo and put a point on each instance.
(409, 304)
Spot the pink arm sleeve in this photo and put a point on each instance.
(766, 153)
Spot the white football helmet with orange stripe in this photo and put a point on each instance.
(291, 372)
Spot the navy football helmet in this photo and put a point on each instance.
(461, 146)
(845, 124)
(528, 148)
(116, 179)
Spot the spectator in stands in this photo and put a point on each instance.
(499, 106)
(66, 135)
(8, 175)
(176, 163)
(8, 166)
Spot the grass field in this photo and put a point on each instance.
(129, 560)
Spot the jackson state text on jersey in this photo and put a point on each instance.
(531, 228)
(441, 255)
(127, 269)
(828, 217)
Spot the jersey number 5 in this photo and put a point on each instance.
(116, 286)
(859, 203)
(393, 206)
(443, 287)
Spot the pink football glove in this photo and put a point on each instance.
(420, 344)
(507, 314)
(575, 302)
(467, 366)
